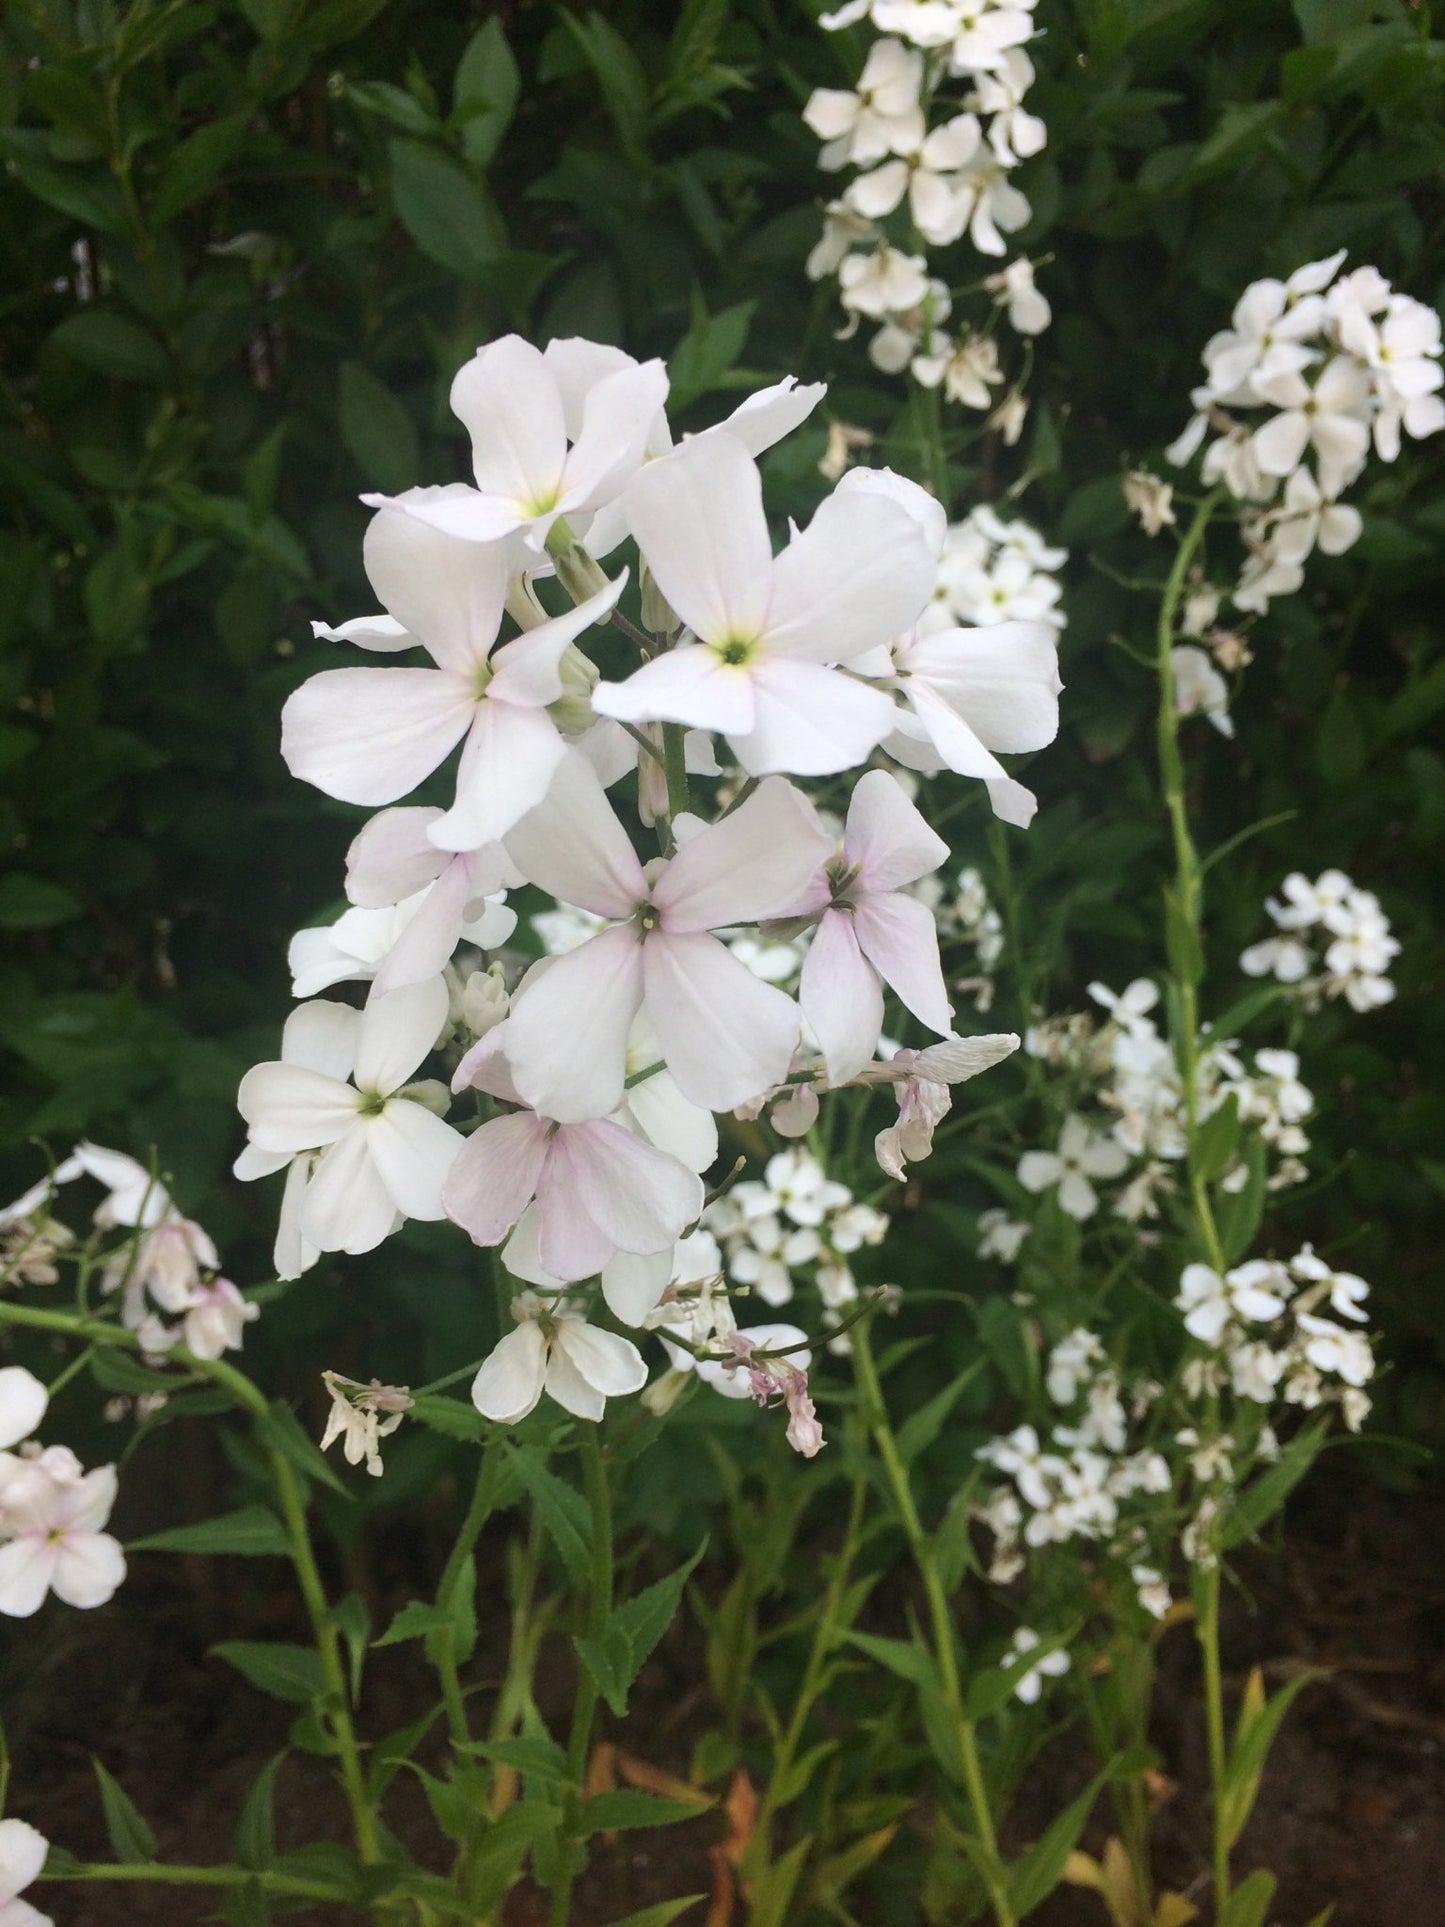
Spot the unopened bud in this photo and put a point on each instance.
(483, 1001)
(572, 712)
(580, 575)
(656, 614)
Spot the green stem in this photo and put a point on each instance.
(1208, 1635)
(941, 1623)
(674, 763)
(579, 1744)
(484, 1494)
(172, 1876)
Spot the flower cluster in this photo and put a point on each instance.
(991, 570)
(593, 1075)
(1334, 941)
(934, 127)
(794, 1219)
(1337, 361)
(52, 1511)
(969, 919)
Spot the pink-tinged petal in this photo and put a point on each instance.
(573, 846)
(1004, 681)
(690, 685)
(1011, 802)
(507, 764)
(382, 634)
(23, 1400)
(346, 1206)
(725, 1035)
(23, 1851)
(291, 1108)
(87, 1506)
(455, 510)
(521, 1257)
(633, 1283)
(26, 1567)
(666, 1118)
(506, 397)
(485, 1067)
(413, 1149)
(396, 1033)
(570, 1389)
(447, 592)
(841, 997)
(859, 574)
(617, 420)
(425, 947)
(699, 521)
(752, 864)
(611, 1364)
(567, 1031)
(949, 734)
(370, 735)
(90, 1568)
(640, 1198)
(495, 1176)
(321, 1036)
(887, 836)
(509, 1383)
(392, 858)
(899, 938)
(570, 1246)
(525, 670)
(810, 720)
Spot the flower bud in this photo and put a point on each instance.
(578, 573)
(656, 614)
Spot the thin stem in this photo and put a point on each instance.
(941, 1622)
(674, 763)
(483, 1499)
(1208, 1635)
(579, 1744)
(173, 1876)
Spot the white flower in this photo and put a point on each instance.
(881, 117)
(555, 1350)
(1153, 1590)
(1030, 1683)
(1199, 687)
(22, 1855)
(966, 368)
(23, 1402)
(1013, 287)
(1082, 1154)
(51, 1513)
(1331, 417)
(1000, 1236)
(882, 283)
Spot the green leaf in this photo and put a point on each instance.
(1186, 958)
(921, 1428)
(1258, 1729)
(284, 1671)
(353, 1622)
(632, 1631)
(256, 1829)
(663, 1913)
(378, 431)
(195, 163)
(112, 346)
(34, 903)
(900, 1656)
(454, 1418)
(131, 1840)
(254, 1531)
(1037, 1871)
(413, 1621)
(283, 1432)
(533, 1756)
(1249, 1903)
(442, 211)
(1237, 1214)
(495, 1857)
(1263, 1497)
(625, 91)
(1342, 747)
(564, 1511)
(708, 351)
(485, 92)
(1212, 1152)
(605, 1812)
(1242, 126)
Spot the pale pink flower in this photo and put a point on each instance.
(52, 1515)
(371, 735)
(768, 628)
(722, 1033)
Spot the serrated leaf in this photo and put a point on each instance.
(417, 1618)
(253, 1531)
(285, 1671)
(283, 1432)
(454, 1418)
(607, 1812)
(633, 1630)
(131, 1839)
(1036, 1873)
(531, 1755)
(564, 1511)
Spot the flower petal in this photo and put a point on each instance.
(525, 670)
(506, 397)
(346, 1206)
(887, 836)
(397, 1030)
(841, 997)
(617, 419)
(633, 1283)
(413, 1149)
(509, 1383)
(424, 948)
(753, 863)
(23, 1849)
(899, 938)
(690, 684)
(371, 735)
(858, 575)
(321, 1036)
(494, 1177)
(90, 1568)
(392, 858)
(666, 1118)
(1003, 680)
(568, 1027)
(699, 521)
(810, 720)
(291, 1108)
(608, 1362)
(23, 1400)
(447, 592)
(641, 1198)
(26, 1567)
(573, 846)
(510, 758)
(725, 1036)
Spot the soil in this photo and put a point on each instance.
(1352, 1810)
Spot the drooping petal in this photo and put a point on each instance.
(506, 397)
(633, 1283)
(425, 946)
(510, 1380)
(608, 1362)
(510, 758)
(573, 846)
(455, 510)
(393, 857)
(810, 720)
(26, 1566)
(346, 1206)
(751, 864)
(949, 734)
(90, 1567)
(767, 416)
(840, 996)
(567, 1031)
(293, 1253)
(859, 574)
(371, 735)
(699, 521)
(570, 1389)
(447, 592)
(690, 685)
(725, 1035)
(397, 1030)
(666, 1118)
(23, 1400)
(957, 1059)
(886, 835)
(1003, 681)
(641, 1198)
(290, 1108)
(413, 1149)
(899, 938)
(525, 670)
(382, 634)
(494, 1177)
